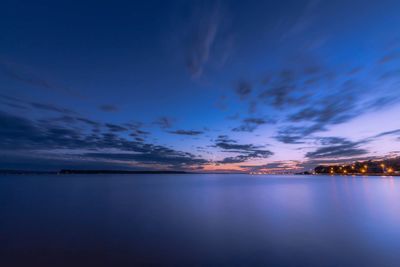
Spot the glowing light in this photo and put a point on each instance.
(389, 170)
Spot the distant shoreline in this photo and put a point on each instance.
(68, 171)
(94, 172)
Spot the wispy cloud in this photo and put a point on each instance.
(251, 124)
(24, 74)
(187, 132)
(337, 148)
(245, 151)
(207, 39)
(108, 108)
(165, 122)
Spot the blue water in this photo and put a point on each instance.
(199, 220)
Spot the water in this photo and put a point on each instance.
(199, 220)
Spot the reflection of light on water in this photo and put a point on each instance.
(293, 198)
(381, 215)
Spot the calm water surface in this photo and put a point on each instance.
(199, 220)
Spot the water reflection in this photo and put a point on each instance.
(186, 220)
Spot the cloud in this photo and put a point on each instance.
(304, 21)
(296, 135)
(164, 122)
(21, 104)
(12, 102)
(161, 156)
(116, 128)
(251, 124)
(202, 38)
(69, 120)
(389, 57)
(337, 148)
(209, 42)
(49, 107)
(108, 108)
(243, 89)
(186, 132)
(321, 112)
(331, 110)
(24, 74)
(39, 137)
(333, 141)
(245, 151)
(284, 90)
(393, 132)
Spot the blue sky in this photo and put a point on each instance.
(198, 85)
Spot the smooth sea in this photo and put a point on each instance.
(199, 220)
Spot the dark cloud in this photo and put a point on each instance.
(187, 132)
(390, 75)
(331, 110)
(319, 114)
(355, 70)
(19, 134)
(136, 129)
(382, 102)
(49, 107)
(221, 103)
(245, 151)
(390, 57)
(88, 121)
(393, 132)
(243, 89)
(55, 162)
(246, 156)
(21, 104)
(24, 74)
(141, 132)
(70, 119)
(252, 107)
(337, 148)
(284, 90)
(296, 135)
(164, 122)
(138, 132)
(251, 124)
(160, 156)
(108, 108)
(317, 97)
(289, 138)
(333, 141)
(12, 102)
(116, 128)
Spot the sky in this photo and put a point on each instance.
(232, 86)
